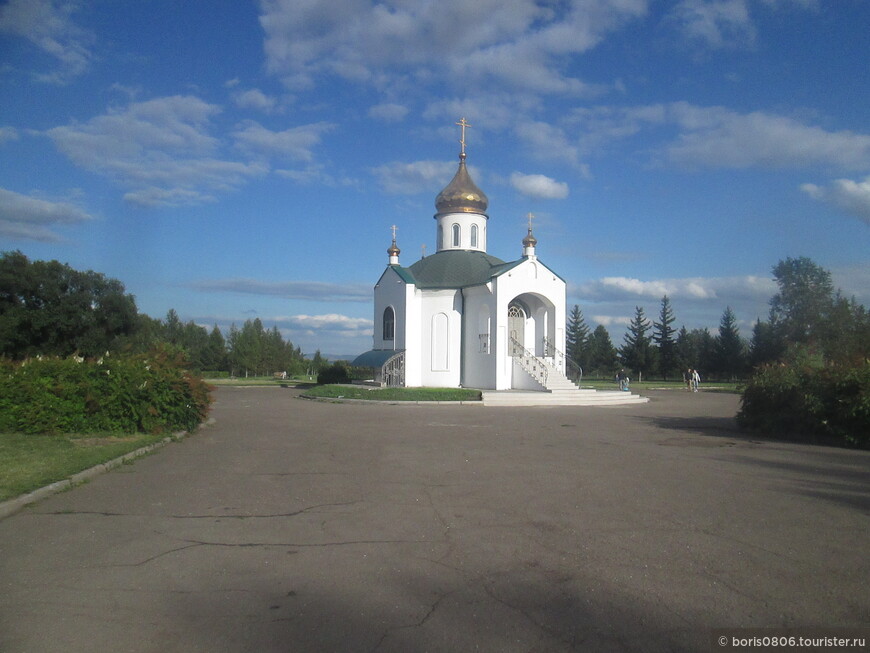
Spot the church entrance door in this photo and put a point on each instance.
(517, 329)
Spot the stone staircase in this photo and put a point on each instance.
(556, 389)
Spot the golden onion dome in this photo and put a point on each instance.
(461, 195)
(530, 240)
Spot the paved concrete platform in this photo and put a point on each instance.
(293, 525)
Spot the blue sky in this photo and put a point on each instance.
(235, 159)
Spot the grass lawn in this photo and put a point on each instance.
(601, 384)
(393, 394)
(29, 462)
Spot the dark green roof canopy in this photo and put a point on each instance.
(375, 357)
(457, 269)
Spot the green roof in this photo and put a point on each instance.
(375, 357)
(456, 269)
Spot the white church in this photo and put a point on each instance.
(464, 318)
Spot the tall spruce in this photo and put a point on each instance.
(577, 338)
(663, 336)
(730, 352)
(602, 354)
(636, 352)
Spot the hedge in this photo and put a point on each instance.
(831, 402)
(147, 393)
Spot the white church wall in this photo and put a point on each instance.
(440, 335)
(390, 292)
(464, 221)
(480, 355)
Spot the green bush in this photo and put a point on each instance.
(335, 373)
(147, 393)
(831, 402)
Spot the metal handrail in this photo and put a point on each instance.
(393, 371)
(536, 367)
(571, 368)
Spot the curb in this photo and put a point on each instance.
(342, 400)
(11, 506)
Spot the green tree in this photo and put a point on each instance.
(802, 307)
(216, 351)
(663, 336)
(602, 353)
(636, 352)
(765, 346)
(695, 349)
(49, 308)
(729, 349)
(577, 338)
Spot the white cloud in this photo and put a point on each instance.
(539, 186)
(611, 320)
(415, 177)
(48, 24)
(8, 134)
(30, 218)
(328, 322)
(255, 99)
(488, 42)
(388, 112)
(718, 289)
(310, 290)
(160, 148)
(716, 23)
(550, 143)
(853, 197)
(717, 137)
(295, 143)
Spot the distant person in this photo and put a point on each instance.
(622, 379)
(696, 380)
(687, 379)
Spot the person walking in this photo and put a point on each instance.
(696, 380)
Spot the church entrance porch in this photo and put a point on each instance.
(531, 333)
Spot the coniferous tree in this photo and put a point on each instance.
(636, 352)
(706, 347)
(765, 346)
(663, 336)
(686, 352)
(216, 352)
(602, 353)
(577, 338)
(729, 350)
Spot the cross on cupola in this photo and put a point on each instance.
(394, 251)
(463, 123)
(529, 241)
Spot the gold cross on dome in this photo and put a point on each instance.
(531, 217)
(463, 123)
(395, 229)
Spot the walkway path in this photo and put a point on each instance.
(293, 525)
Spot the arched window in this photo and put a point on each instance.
(456, 235)
(474, 235)
(389, 323)
(441, 238)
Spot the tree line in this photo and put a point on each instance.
(50, 309)
(808, 318)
